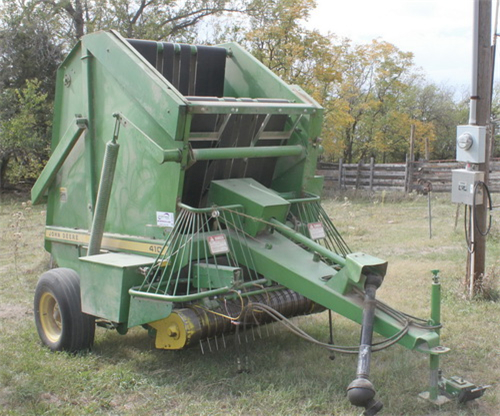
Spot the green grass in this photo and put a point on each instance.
(125, 375)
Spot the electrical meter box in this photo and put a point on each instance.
(463, 183)
(471, 144)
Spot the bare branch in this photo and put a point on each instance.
(202, 12)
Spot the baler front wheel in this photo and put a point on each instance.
(59, 319)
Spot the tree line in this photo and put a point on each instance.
(372, 93)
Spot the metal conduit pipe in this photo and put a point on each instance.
(475, 62)
(361, 392)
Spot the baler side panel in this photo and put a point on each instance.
(140, 187)
(148, 88)
(69, 82)
(248, 77)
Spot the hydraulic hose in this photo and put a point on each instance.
(361, 392)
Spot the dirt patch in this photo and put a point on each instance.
(10, 311)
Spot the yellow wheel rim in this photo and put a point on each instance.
(50, 317)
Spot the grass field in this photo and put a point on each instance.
(125, 375)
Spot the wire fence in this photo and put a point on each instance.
(402, 177)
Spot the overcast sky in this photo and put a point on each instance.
(438, 32)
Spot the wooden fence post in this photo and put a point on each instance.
(410, 160)
(358, 173)
(372, 168)
(406, 173)
(341, 168)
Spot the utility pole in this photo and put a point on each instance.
(480, 111)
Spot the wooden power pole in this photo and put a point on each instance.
(481, 100)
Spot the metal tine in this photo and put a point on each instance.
(267, 330)
(209, 346)
(253, 333)
(190, 261)
(259, 330)
(239, 365)
(201, 234)
(201, 347)
(216, 344)
(187, 246)
(205, 252)
(224, 340)
(176, 238)
(163, 256)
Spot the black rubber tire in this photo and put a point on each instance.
(60, 322)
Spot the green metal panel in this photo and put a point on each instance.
(105, 280)
(69, 81)
(133, 73)
(247, 77)
(314, 185)
(143, 311)
(208, 276)
(259, 201)
(88, 103)
(356, 266)
(78, 241)
(59, 155)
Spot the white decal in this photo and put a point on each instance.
(316, 230)
(165, 219)
(218, 244)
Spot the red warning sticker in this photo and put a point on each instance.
(218, 244)
(316, 230)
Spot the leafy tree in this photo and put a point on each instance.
(436, 105)
(372, 94)
(281, 42)
(24, 144)
(148, 19)
(28, 62)
(372, 115)
(27, 49)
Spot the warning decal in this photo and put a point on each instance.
(218, 244)
(316, 230)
